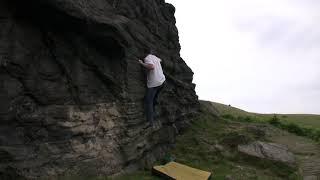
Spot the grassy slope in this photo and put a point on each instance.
(305, 120)
(196, 148)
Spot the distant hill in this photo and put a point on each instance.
(305, 120)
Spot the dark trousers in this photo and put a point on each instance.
(150, 102)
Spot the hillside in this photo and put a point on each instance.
(211, 144)
(305, 120)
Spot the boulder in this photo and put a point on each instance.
(72, 92)
(268, 151)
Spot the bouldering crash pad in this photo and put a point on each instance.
(178, 171)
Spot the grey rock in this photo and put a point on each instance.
(218, 147)
(310, 178)
(269, 151)
(71, 90)
(229, 177)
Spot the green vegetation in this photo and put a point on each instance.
(305, 120)
(299, 124)
(225, 109)
(200, 147)
(211, 141)
(140, 175)
(310, 121)
(312, 133)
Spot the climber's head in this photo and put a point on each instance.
(152, 51)
(145, 51)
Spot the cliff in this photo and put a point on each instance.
(71, 90)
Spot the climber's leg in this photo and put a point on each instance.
(151, 92)
(155, 101)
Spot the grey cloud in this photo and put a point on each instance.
(283, 33)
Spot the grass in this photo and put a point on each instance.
(201, 139)
(200, 146)
(304, 120)
(226, 109)
(197, 148)
(312, 133)
(140, 175)
(300, 124)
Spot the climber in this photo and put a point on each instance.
(155, 83)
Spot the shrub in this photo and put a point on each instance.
(275, 121)
(228, 116)
(293, 128)
(316, 134)
(296, 129)
(245, 119)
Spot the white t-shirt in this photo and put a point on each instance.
(155, 77)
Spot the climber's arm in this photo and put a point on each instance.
(146, 65)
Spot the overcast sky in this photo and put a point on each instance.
(259, 55)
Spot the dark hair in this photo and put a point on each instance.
(153, 51)
(145, 52)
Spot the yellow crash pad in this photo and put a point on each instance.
(181, 172)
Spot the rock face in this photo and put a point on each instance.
(71, 90)
(268, 151)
